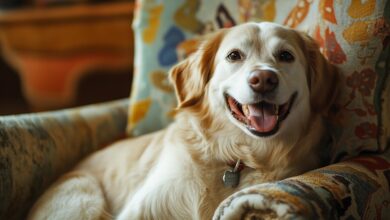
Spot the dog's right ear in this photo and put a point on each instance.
(190, 77)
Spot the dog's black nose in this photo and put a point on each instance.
(263, 81)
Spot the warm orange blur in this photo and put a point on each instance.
(54, 56)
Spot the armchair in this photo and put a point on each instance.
(35, 149)
(354, 35)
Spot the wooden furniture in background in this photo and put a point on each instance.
(53, 48)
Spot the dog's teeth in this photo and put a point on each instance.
(245, 109)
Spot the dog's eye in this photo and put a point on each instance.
(234, 55)
(285, 56)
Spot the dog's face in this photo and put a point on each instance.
(265, 78)
(261, 78)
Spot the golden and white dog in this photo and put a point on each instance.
(257, 93)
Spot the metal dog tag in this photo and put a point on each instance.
(231, 178)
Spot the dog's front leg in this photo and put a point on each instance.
(166, 194)
(151, 201)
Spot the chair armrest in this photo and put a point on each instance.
(353, 189)
(37, 148)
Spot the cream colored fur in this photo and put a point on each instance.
(177, 173)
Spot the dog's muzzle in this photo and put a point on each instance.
(262, 118)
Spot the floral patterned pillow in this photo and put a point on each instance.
(164, 33)
(353, 35)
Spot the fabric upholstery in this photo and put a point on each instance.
(326, 193)
(36, 148)
(352, 35)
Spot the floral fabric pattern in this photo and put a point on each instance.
(353, 35)
(37, 148)
(357, 189)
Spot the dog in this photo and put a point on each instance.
(252, 105)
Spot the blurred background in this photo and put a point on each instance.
(56, 54)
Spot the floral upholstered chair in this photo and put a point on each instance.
(353, 34)
(35, 149)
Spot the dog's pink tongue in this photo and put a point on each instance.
(262, 117)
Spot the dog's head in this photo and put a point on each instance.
(265, 78)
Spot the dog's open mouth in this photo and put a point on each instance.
(262, 118)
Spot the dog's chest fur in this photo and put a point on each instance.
(174, 173)
(181, 181)
(191, 188)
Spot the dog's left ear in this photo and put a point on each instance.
(191, 76)
(323, 77)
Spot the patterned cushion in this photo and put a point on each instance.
(164, 32)
(351, 35)
(35, 149)
(353, 189)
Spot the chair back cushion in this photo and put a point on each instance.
(353, 35)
